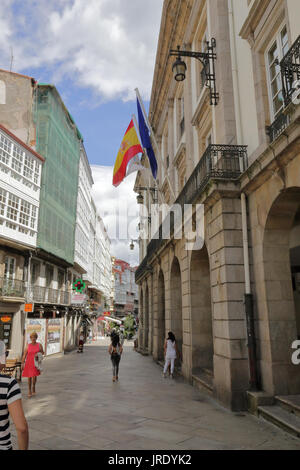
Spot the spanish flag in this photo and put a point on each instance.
(130, 147)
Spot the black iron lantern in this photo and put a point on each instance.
(139, 199)
(179, 68)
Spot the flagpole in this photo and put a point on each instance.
(153, 136)
(137, 129)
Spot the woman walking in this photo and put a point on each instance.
(171, 352)
(11, 407)
(115, 350)
(30, 370)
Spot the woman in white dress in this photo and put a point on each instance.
(171, 352)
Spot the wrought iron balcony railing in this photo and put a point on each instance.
(48, 295)
(278, 126)
(12, 288)
(290, 71)
(219, 162)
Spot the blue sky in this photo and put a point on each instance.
(96, 52)
(102, 124)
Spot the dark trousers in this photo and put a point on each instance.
(115, 359)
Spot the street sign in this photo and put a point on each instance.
(77, 298)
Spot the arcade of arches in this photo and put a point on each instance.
(199, 294)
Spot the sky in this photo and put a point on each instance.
(96, 53)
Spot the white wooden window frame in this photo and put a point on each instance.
(276, 39)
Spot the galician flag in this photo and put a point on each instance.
(130, 147)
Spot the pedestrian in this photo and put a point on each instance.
(121, 336)
(11, 407)
(81, 342)
(28, 365)
(115, 350)
(171, 352)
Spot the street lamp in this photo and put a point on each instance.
(131, 246)
(208, 61)
(139, 199)
(179, 68)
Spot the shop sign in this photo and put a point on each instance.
(37, 325)
(5, 319)
(54, 336)
(78, 299)
(28, 307)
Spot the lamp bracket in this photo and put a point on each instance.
(207, 59)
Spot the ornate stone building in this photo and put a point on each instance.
(228, 137)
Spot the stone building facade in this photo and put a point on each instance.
(237, 153)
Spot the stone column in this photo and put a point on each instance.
(186, 312)
(225, 248)
(155, 313)
(225, 115)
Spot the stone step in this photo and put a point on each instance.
(290, 403)
(287, 421)
(203, 381)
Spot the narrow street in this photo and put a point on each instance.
(78, 407)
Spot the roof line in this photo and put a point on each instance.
(15, 73)
(13, 136)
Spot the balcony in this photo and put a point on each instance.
(290, 71)
(278, 126)
(219, 162)
(12, 288)
(51, 296)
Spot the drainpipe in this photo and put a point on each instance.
(248, 296)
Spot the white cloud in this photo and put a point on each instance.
(108, 45)
(119, 210)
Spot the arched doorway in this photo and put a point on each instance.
(201, 312)
(281, 255)
(146, 319)
(161, 328)
(176, 303)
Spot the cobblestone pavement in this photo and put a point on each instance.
(77, 406)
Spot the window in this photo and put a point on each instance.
(5, 148)
(13, 206)
(35, 270)
(61, 278)
(49, 275)
(208, 140)
(10, 266)
(24, 213)
(2, 92)
(2, 201)
(275, 54)
(17, 159)
(181, 114)
(28, 167)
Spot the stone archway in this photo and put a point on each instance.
(161, 316)
(281, 255)
(176, 303)
(201, 312)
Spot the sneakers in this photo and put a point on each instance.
(172, 376)
(164, 375)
